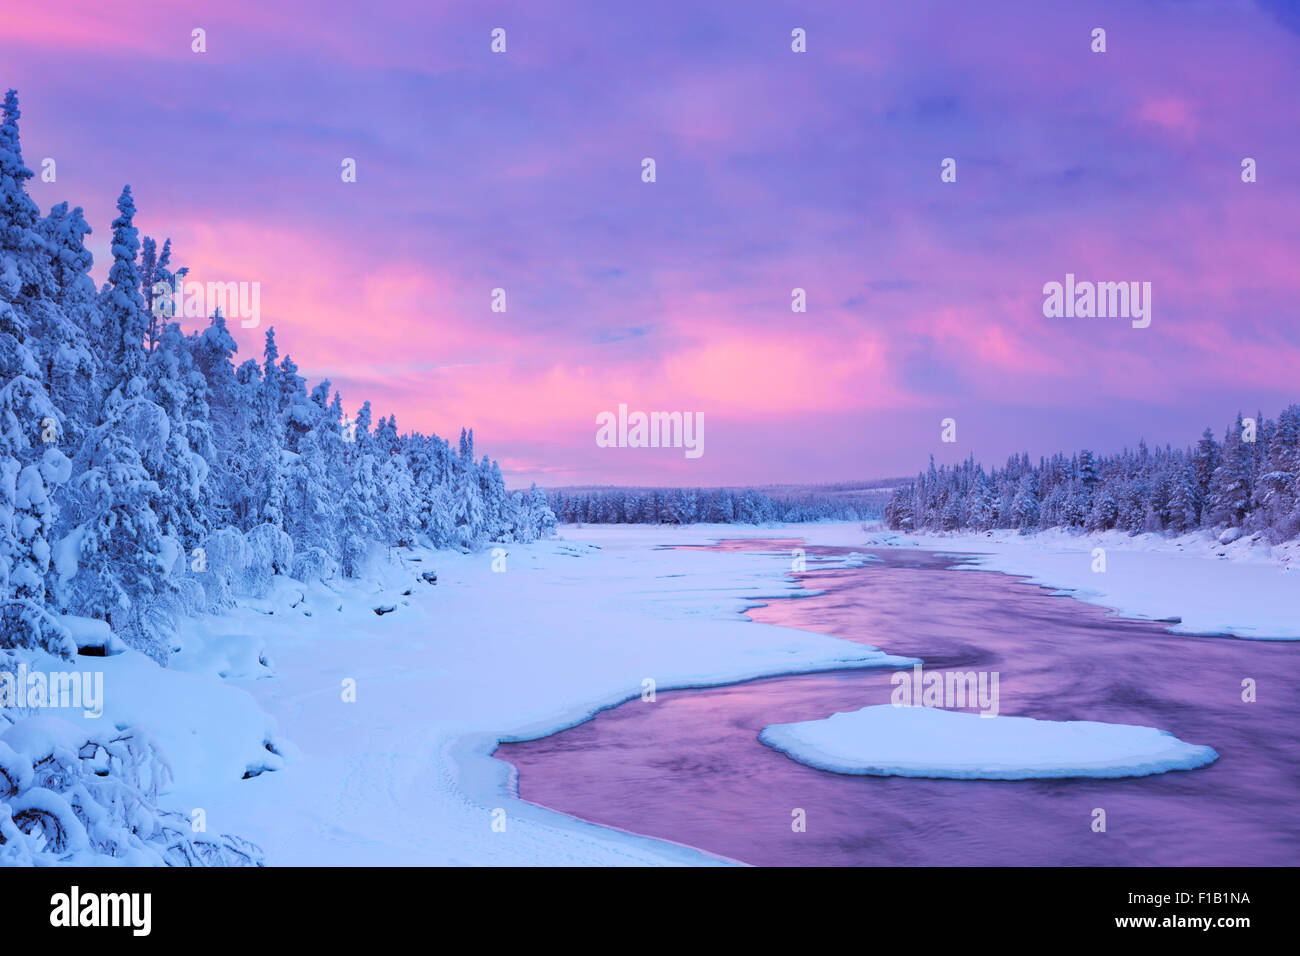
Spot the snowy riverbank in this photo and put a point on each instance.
(1247, 588)
(257, 719)
(402, 774)
(572, 626)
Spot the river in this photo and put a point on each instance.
(689, 767)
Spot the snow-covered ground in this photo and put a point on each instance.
(884, 740)
(402, 774)
(253, 717)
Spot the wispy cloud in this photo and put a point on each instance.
(775, 171)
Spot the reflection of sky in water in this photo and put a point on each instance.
(689, 767)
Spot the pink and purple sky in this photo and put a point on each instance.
(775, 170)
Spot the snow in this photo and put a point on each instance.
(209, 729)
(884, 741)
(56, 468)
(66, 552)
(1245, 589)
(92, 634)
(175, 496)
(403, 775)
(65, 835)
(34, 737)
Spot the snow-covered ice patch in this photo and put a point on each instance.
(888, 741)
(857, 559)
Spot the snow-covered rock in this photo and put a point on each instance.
(93, 637)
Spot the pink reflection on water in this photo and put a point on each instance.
(689, 767)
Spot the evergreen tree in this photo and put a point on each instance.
(66, 358)
(1204, 461)
(1025, 506)
(1182, 501)
(125, 320)
(1229, 496)
(119, 560)
(467, 509)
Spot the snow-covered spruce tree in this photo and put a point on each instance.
(433, 472)
(685, 505)
(979, 510)
(1205, 459)
(1276, 494)
(115, 557)
(31, 463)
(467, 508)
(310, 498)
(360, 515)
(66, 357)
(125, 320)
(1229, 497)
(296, 411)
(125, 443)
(399, 512)
(1025, 505)
(114, 562)
(501, 520)
(156, 283)
(1249, 485)
(213, 351)
(1180, 514)
(268, 440)
(181, 466)
(542, 518)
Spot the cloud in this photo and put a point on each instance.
(776, 170)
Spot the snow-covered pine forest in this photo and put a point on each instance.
(144, 475)
(794, 504)
(1249, 482)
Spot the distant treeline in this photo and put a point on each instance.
(769, 504)
(1249, 481)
